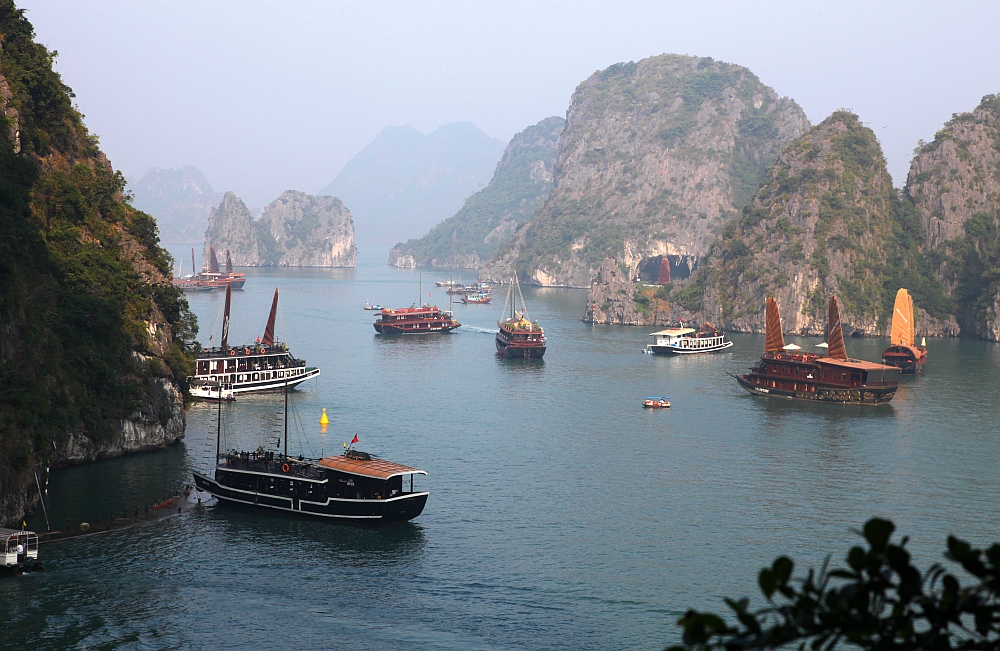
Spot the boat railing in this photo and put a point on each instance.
(270, 462)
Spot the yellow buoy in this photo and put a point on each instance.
(323, 420)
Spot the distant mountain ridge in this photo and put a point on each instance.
(520, 185)
(403, 183)
(180, 200)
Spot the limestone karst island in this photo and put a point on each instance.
(468, 326)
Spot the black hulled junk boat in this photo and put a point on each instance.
(518, 336)
(786, 372)
(266, 365)
(354, 487)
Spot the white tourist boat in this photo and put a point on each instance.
(688, 341)
(266, 365)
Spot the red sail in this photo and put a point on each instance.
(834, 333)
(268, 339)
(663, 276)
(229, 263)
(213, 261)
(774, 342)
(225, 318)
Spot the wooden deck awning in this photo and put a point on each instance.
(673, 332)
(851, 364)
(376, 468)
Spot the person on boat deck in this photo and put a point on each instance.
(20, 550)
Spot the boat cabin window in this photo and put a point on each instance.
(203, 368)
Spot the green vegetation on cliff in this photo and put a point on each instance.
(84, 285)
(656, 156)
(826, 221)
(520, 184)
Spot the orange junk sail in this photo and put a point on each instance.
(902, 320)
(268, 339)
(834, 333)
(774, 342)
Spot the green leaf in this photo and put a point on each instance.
(878, 532)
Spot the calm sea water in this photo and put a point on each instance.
(562, 515)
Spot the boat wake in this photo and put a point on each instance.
(472, 328)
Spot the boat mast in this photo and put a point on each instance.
(225, 318)
(286, 418)
(193, 272)
(218, 428)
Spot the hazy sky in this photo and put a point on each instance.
(268, 96)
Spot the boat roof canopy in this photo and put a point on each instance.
(376, 468)
(657, 397)
(855, 364)
(791, 347)
(673, 332)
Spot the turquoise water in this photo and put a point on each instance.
(562, 515)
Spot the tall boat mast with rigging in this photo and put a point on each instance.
(518, 336)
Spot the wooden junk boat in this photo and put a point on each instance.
(211, 277)
(518, 336)
(414, 321)
(354, 487)
(223, 372)
(784, 371)
(19, 551)
(902, 353)
(687, 341)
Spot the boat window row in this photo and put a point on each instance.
(787, 386)
(708, 342)
(243, 364)
(339, 486)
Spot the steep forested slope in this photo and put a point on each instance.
(91, 331)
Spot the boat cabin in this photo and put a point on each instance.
(248, 364)
(19, 548)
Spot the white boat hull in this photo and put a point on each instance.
(679, 350)
(231, 390)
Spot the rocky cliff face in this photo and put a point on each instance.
(85, 290)
(310, 231)
(956, 175)
(816, 227)
(231, 227)
(655, 157)
(826, 221)
(295, 230)
(520, 184)
(954, 184)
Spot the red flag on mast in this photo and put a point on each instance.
(354, 440)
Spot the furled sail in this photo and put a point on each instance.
(268, 339)
(902, 320)
(225, 318)
(834, 333)
(774, 342)
(229, 262)
(213, 261)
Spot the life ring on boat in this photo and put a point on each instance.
(232, 353)
(247, 351)
(284, 467)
